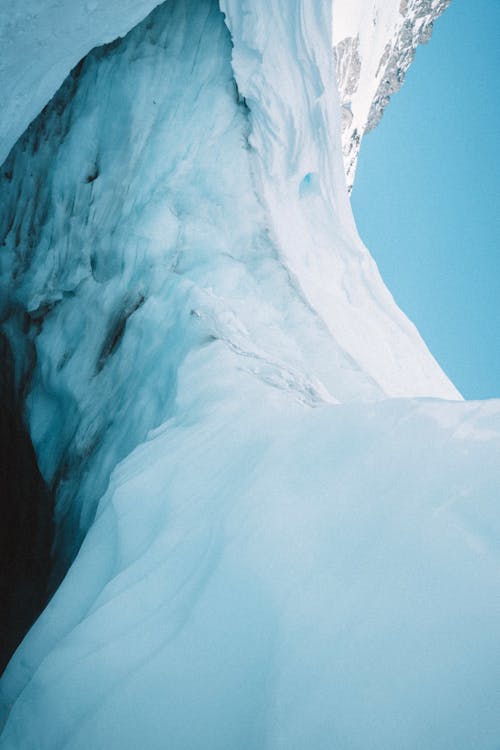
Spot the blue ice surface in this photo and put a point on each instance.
(427, 195)
(309, 185)
(267, 569)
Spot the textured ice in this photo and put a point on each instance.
(41, 40)
(290, 540)
(126, 244)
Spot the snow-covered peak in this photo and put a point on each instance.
(375, 43)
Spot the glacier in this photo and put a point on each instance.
(275, 519)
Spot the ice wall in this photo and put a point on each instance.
(101, 228)
(41, 40)
(374, 43)
(109, 214)
(275, 554)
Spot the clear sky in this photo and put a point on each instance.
(427, 195)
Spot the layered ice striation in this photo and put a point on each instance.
(272, 550)
(375, 44)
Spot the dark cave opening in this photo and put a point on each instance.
(26, 521)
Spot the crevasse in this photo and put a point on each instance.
(275, 552)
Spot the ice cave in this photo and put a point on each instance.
(243, 506)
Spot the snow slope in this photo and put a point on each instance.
(266, 575)
(275, 554)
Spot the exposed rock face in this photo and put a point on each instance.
(373, 52)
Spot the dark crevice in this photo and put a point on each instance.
(26, 527)
(116, 331)
(93, 175)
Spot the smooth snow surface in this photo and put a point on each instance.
(277, 553)
(266, 575)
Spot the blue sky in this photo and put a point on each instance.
(427, 195)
